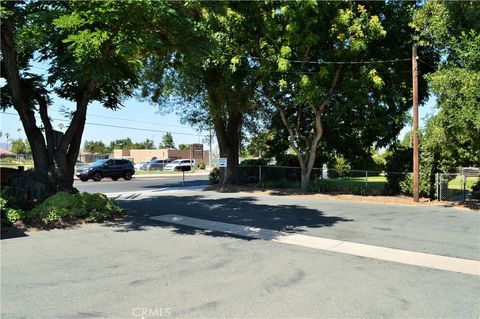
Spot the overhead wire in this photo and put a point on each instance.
(119, 126)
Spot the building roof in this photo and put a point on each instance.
(5, 152)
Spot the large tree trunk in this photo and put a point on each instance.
(51, 151)
(228, 137)
(305, 180)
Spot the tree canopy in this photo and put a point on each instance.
(452, 29)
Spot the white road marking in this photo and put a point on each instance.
(131, 195)
(466, 266)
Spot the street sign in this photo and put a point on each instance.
(222, 162)
(197, 151)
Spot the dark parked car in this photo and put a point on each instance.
(156, 165)
(113, 168)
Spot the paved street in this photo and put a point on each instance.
(106, 185)
(122, 268)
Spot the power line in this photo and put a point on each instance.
(122, 127)
(124, 119)
(320, 61)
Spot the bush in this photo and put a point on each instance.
(30, 188)
(476, 191)
(282, 183)
(92, 207)
(9, 215)
(201, 165)
(342, 166)
(214, 176)
(255, 162)
(399, 162)
(97, 207)
(288, 160)
(406, 185)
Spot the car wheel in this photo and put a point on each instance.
(97, 176)
(115, 178)
(84, 179)
(127, 176)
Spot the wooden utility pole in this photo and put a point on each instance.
(416, 174)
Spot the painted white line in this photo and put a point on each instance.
(154, 192)
(466, 266)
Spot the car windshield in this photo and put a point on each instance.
(98, 163)
(175, 162)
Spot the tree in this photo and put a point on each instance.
(452, 136)
(95, 50)
(350, 106)
(145, 145)
(167, 141)
(96, 147)
(20, 147)
(184, 147)
(217, 87)
(122, 144)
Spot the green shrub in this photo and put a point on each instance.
(288, 160)
(14, 214)
(9, 214)
(342, 166)
(92, 207)
(97, 207)
(31, 187)
(282, 183)
(201, 165)
(214, 176)
(406, 185)
(255, 162)
(399, 162)
(476, 191)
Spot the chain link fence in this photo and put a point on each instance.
(359, 182)
(447, 187)
(456, 187)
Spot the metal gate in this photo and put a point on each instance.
(456, 187)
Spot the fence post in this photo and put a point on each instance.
(464, 187)
(440, 186)
(437, 184)
(366, 180)
(260, 174)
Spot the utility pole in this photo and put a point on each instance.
(415, 125)
(210, 148)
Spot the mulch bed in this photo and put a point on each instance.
(398, 200)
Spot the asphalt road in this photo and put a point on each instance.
(107, 185)
(141, 266)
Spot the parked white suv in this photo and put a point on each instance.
(175, 165)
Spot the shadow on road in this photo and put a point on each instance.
(12, 232)
(177, 184)
(242, 211)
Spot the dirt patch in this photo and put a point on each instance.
(397, 200)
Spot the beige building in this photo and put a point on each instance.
(197, 153)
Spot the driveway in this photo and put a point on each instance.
(143, 267)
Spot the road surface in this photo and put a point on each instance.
(142, 267)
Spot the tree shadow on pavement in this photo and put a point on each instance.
(238, 210)
(178, 184)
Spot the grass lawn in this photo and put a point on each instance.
(373, 181)
(456, 183)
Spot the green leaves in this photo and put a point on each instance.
(354, 28)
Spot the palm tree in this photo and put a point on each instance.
(19, 130)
